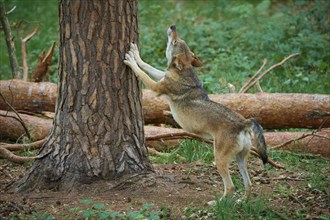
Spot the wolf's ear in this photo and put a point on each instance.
(177, 63)
(196, 62)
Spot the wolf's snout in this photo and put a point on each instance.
(173, 27)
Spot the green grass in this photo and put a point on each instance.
(312, 174)
(189, 151)
(231, 37)
(315, 170)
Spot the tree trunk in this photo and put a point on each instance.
(98, 125)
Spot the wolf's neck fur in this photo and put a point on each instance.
(189, 79)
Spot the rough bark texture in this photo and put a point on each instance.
(272, 111)
(98, 125)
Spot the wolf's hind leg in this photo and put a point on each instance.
(241, 159)
(222, 160)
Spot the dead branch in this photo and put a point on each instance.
(180, 135)
(297, 139)
(155, 152)
(254, 76)
(270, 161)
(313, 133)
(17, 147)
(267, 71)
(9, 41)
(11, 10)
(24, 41)
(44, 62)
(11, 128)
(14, 158)
(291, 141)
(18, 118)
(259, 87)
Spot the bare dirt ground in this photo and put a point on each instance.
(173, 187)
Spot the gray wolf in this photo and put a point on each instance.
(192, 109)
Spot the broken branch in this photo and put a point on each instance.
(18, 118)
(267, 71)
(24, 41)
(44, 62)
(17, 147)
(253, 77)
(14, 158)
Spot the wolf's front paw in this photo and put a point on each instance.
(135, 50)
(130, 60)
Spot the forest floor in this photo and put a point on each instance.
(176, 191)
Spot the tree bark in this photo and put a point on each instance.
(98, 125)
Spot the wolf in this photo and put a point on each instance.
(232, 134)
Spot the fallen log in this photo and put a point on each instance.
(306, 142)
(29, 96)
(272, 111)
(317, 142)
(160, 137)
(12, 129)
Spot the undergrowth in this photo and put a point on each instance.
(231, 37)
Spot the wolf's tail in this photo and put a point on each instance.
(259, 140)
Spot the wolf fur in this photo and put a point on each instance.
(192, 109)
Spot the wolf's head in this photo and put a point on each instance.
(178, 53)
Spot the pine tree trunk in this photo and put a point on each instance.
(98, 126)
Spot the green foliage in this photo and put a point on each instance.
(231, 37)
(102, 211)
(227, 209)
(41, 216)
(314, 168)
(28, 15)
